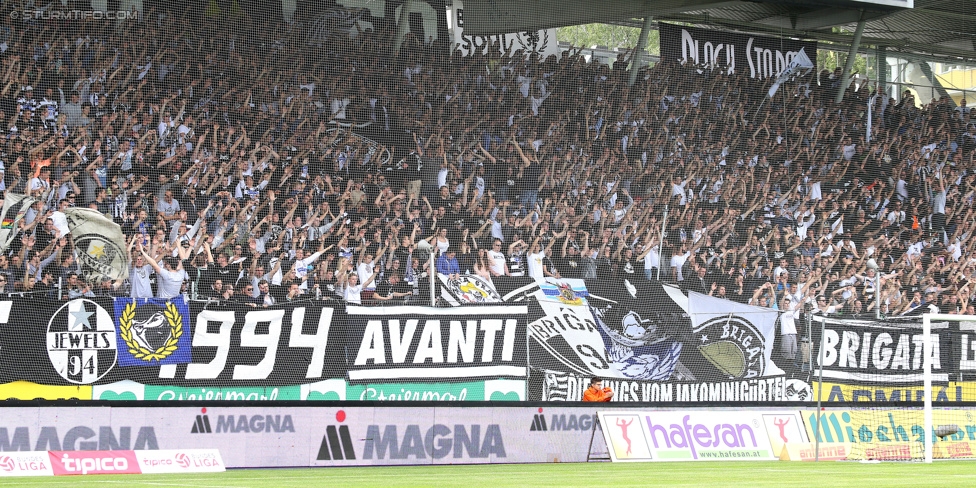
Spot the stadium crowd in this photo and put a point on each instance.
(260, 169)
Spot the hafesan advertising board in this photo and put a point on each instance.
(695, 435)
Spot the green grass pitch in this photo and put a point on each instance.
(706, 474)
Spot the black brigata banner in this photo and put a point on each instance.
(890, 352)
(758, 57)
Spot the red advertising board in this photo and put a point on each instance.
(93, 462)
(67, 463)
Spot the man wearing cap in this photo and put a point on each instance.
(931, 300)
(447, 263)
(41, 183)
(26, 102)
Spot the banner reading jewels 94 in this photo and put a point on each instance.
(148, 342)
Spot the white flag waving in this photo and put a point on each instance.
(797, 66)
(736, 338)
(14, 208)
(99, 245)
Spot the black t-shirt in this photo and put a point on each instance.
(570, 266)
(385, 288)
(627, 268)
(531, 177)
(227, 274)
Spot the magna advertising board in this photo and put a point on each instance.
(400, 434)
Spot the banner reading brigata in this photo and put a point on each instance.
(889, 352)
(759, 57)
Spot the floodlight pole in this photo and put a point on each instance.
(928, 429)
(660, 244)
(403, 24)
(433, 273)
(819, 415)
(635, 63)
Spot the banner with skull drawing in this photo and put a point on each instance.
(607, 329)
(644, 331)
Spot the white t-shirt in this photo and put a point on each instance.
(497, 262)
(849, 151)
(678, 262)
(301, 269)
(679, 191)
(139, 279)
(38, 184)
(170, 282)
(815, 192)
(169, 209)
(351, 294)
(365, 270)
(787, 321)
(60, 221)
(652, 259)
(535, 265)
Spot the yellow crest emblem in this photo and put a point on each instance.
(137, 348)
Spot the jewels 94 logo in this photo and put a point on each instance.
(81, 342)
(473, 289)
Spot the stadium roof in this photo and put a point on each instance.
(933, 28)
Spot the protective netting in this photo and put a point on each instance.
(893, 433)
(217, 203)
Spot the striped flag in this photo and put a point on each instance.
(14, 208)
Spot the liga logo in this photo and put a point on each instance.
(7, 464)
(733, 345)
(183, 460)
(81, 342)
(151, 332)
